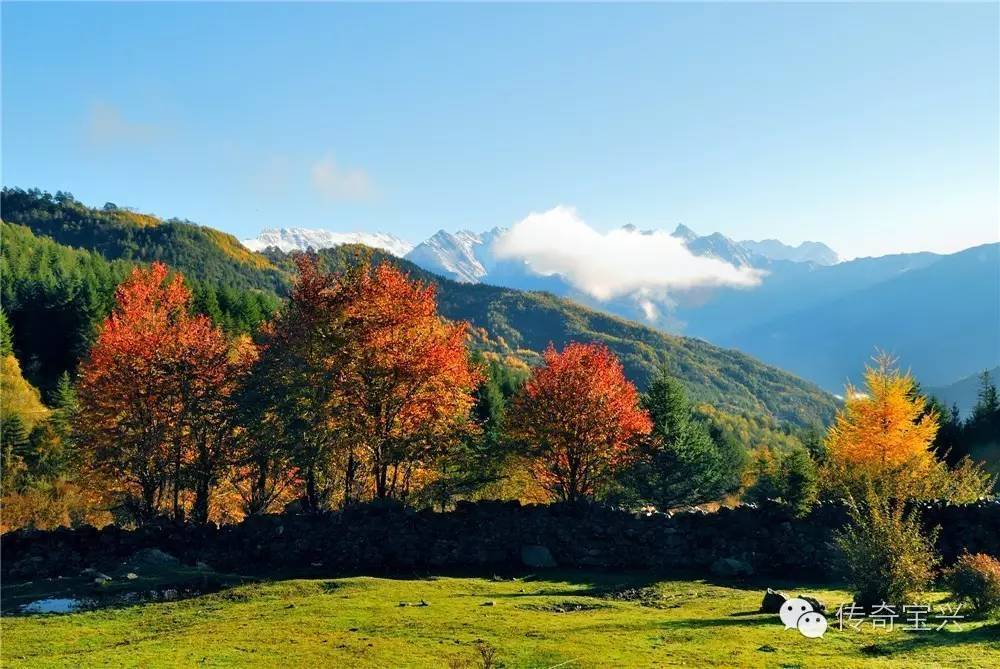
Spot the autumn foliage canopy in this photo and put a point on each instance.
(368, 384)
(578, 417)
(155, 395)
(883, 439)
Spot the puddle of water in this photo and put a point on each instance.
(53, 605)
(75, 605)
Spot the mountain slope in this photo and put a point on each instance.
(941, 321)
(964, 392)
(520, 323)
(463, 256)
(788, 288)
(55, 296)
(203, 252)
(510, 321)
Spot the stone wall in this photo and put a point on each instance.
(385, 538)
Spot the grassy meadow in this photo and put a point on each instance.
(550, 619)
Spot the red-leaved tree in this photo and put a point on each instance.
(155, 397)
(406, 384)
(578, 417)
(362, 382)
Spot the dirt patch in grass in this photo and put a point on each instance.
(648, 596)
(567, 606)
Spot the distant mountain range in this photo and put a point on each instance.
(467, 256)
(939, 315)
(815, 252)
(49, 243)
(811, 314)
(301, 239)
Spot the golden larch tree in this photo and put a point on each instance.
(882, 435)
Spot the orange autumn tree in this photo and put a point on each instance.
(363, 383)
(405, 381)
(211, 370)
(154, 397)
(882, 436)
(290, 400)
(577, 416)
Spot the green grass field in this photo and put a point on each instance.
(551, 619)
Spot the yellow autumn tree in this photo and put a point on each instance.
(883, 438)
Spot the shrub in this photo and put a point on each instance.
(886, 555)
(975, 579)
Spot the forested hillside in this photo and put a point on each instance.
(115, 233)
(50, 283)
(55, 296)
(527, 322)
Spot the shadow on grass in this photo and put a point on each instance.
(915, 641)
(701, 623)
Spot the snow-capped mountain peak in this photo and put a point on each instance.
(463, 256)
(301, 239)
(685, 233)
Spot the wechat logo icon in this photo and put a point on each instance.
(798, 614)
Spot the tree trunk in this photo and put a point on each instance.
(312, 495)
(349, 475)
(203, 491)
(178, 515)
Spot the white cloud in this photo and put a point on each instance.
(106, 126)
(336, 183)
(610, 264)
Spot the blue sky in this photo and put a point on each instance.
(873, 128)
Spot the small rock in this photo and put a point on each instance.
(89, 571)
(772, 601)
(101, 579)
(152, 557)
(767, 649)
(489, 603)
(402, 604)
(169, 594)
(131, 576)
(818, 606)
(317, 564)
(202, 565)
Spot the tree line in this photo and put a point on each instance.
(358, 390)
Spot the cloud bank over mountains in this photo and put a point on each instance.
(606, 265)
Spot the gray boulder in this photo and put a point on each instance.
(772, 601)
(818, 606)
